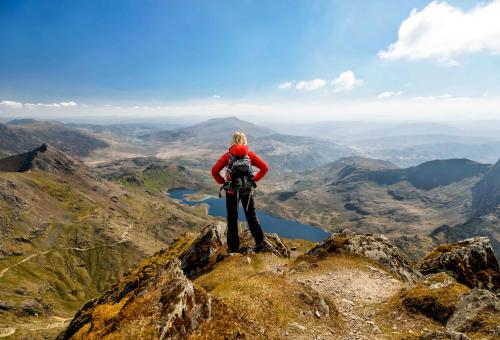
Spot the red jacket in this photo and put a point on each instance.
(239, 151)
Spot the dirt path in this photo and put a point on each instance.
(124, 238)
(5, 270)
(58, 322)
(356, 291)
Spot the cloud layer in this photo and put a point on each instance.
(443, 32)
(9, 104)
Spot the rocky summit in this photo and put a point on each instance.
(156, 299)
(471, 261)
(376, 247)
(350, 286)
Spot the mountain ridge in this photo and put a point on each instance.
(16, 139)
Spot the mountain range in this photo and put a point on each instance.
(205, 141)
(23, 135)
(408, 205)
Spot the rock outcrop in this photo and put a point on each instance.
(477, 312)
(156, 299)
(376, 247)
(272, 244)
(208, 248)
(463, 313)
(153, 301)
(471, 262)
(202, 252)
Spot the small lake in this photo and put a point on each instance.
(281, 226)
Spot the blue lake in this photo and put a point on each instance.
(281, 226)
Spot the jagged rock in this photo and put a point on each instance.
(206, 249)
(376, 247)
(155, 300)
(202, 252)
(471, 262)
(444, 335)
(478, 311)
(436, 297)
(272, 243)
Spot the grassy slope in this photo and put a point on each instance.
(109, 227)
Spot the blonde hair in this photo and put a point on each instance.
(239, 138)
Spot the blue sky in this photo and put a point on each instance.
(150, 54)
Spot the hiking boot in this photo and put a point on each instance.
(222, 256)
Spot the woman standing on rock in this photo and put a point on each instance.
(239, 183)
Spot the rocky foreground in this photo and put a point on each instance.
(350, 286)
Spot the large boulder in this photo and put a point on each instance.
(471, 262)
(375, 247)
(154, 300)
(477, 312)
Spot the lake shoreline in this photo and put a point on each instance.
(275, 224)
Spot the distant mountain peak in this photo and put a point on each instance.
(215, 130)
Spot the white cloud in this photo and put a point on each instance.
(346, 81)
(11, 104)
(389, 94)
(17, 105)
(442, 32)
(310, 85)
(216, 96)
(68, 104)
(286, 85)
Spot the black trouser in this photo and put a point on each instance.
(233, 241)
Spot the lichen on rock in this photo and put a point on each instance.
(164, 305)
(477, 312)
(375, 247)
(471, 262)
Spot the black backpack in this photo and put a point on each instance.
(241, 172)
